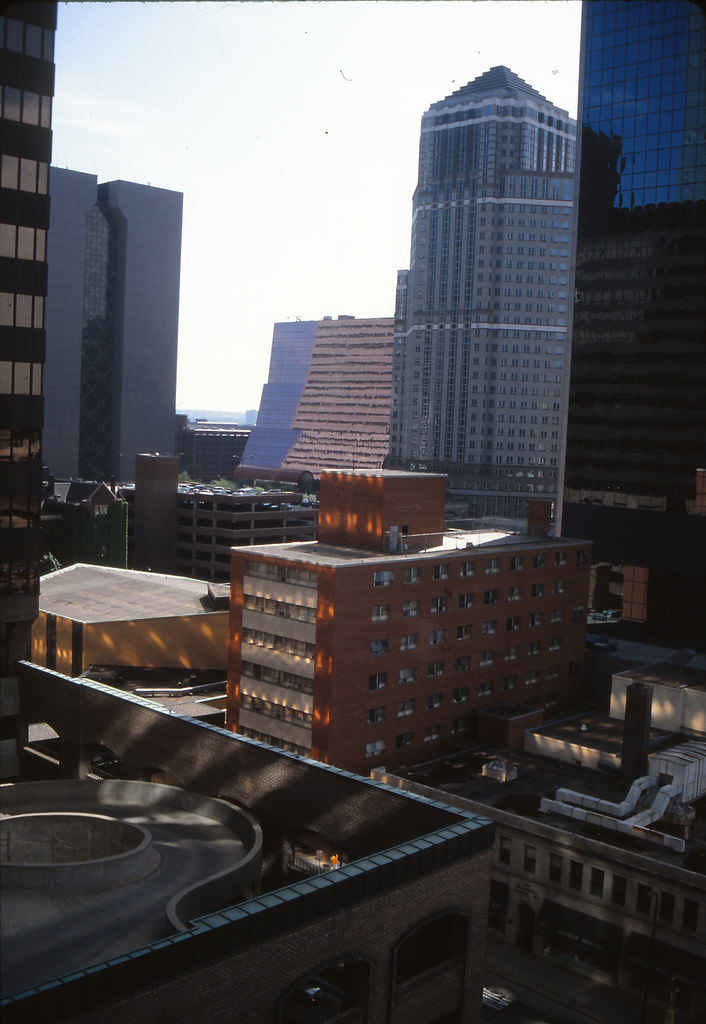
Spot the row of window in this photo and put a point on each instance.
(27, 107)
(22, 243)
(273, 710)
(22, 311)
(23, 37)
(436, 669)
(440, 605)
(439, 637)
(24, 175)
(523, 113)
(19, 378)
(267, 674)
(597, 885)
(283, 644)
(284, 609)
(443, 571)
(432, 701)
(492, 346)
(282, 573)
(488, 628)
(18, 445)
(405, 740)
(410, 609)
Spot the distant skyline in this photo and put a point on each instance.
(292, 129)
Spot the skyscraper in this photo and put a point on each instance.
(26, 91)
(635, 478)
(114, 253)
(483, 314)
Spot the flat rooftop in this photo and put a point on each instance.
(99, 593)
(594, 731)
(667, 674)
(461, 776)
(453, 541)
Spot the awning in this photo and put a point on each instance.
(572, 924)
(668, 960)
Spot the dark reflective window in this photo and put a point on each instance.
(637, 422)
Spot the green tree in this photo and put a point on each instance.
(48, 563)
(230, 485)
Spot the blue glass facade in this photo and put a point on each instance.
(644, 90)
(273, 435)
(635, 477)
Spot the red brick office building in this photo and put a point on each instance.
(381, 642)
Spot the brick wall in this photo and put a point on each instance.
(358, 509)
(346, 703)
(243, 962)
(251, 981)
(520, 639)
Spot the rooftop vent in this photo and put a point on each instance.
(500, 770)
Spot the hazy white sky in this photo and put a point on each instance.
(292, 129)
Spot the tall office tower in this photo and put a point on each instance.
(635, 477)
(483, 315)
(273, 434)
(26, 91)
(343, 415)
(114, 253)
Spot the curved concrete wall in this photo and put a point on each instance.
(64, 851)
(65, 838)
(198, 899)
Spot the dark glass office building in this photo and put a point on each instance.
(26, 91)
(635, 473)
(112, 314)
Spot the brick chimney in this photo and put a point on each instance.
(539, 517)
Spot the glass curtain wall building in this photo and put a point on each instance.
(635, 475)
(114, 254)
(273, 435)
(484, 312)
(26, 91)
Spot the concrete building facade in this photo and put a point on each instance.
(483, 315)
(383, 641)
(114, 253)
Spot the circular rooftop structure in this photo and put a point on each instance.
(111, 866)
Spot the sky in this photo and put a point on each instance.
(292, 129)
